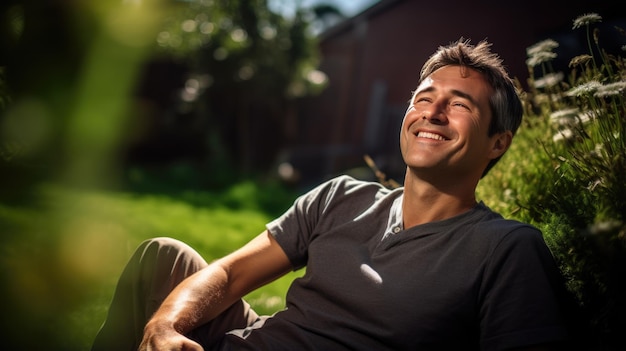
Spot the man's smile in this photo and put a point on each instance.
(429, 135)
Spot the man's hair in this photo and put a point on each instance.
(506, 106)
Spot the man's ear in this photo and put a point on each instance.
(500, 143)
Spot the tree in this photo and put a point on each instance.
(244, 68)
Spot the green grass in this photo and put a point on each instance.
(62, 254)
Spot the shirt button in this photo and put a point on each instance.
(396, 230)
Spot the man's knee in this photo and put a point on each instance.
(162, 243)
(166, 251)
(161, 263)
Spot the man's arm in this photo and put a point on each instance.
(207, 293)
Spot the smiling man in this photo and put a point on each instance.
(421, 267)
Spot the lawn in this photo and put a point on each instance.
(62, 252)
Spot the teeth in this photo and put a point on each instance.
(430, 136)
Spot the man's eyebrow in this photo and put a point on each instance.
(464, 95)
(418, 91)
(455, 92)
(425, 90)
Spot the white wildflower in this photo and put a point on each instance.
(586, 20)
(549, 80)
(585, 88)
(540, 58)
(543, 46)
(564, 117)
(586, 117)
(606, 226)
(610, 89)
(564, 134)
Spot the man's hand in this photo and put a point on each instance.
(160, 338)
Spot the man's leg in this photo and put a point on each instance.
(156, 267)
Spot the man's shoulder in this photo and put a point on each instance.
(494, 222)
(348, 184)
(348, 192)
(351, 181)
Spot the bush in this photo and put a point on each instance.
(566, 174)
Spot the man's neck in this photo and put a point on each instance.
(425, 202)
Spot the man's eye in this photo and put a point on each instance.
(460, 104)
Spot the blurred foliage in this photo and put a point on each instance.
(96, 88)
(566, 173)
(70, 70)
(76, 96)
(242, 69)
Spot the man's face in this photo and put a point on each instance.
(446, 124)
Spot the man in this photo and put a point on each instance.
(422, 267)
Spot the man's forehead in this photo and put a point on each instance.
(450, 72)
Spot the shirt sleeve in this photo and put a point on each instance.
(295, 228)
(520, 293)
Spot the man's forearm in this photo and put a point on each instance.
(195, 301)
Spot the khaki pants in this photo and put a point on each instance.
(155, 268)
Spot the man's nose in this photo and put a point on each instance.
(435, 115)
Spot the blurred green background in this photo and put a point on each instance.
(123, 120)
